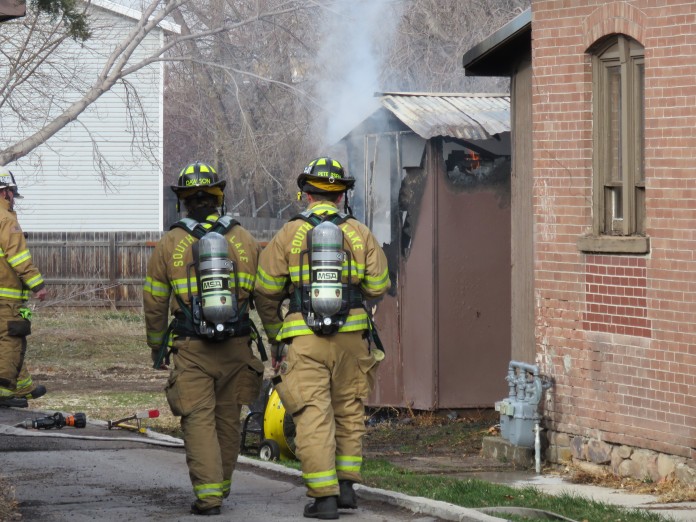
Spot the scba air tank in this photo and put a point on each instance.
(216, 277)
(326, 263)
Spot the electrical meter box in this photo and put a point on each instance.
(519, 412)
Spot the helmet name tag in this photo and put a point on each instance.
(199, 181)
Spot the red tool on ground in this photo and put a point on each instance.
(137, 417)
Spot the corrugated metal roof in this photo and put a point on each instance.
(464, 116)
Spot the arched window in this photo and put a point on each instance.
(618, 75)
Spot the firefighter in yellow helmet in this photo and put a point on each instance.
(18, 278)
(327, 263)
(202, 272)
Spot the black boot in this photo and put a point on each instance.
(195, 510)
(14, 402)
(347, 498)
(324, 508)
(37, 392)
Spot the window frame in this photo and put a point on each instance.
(613, 231)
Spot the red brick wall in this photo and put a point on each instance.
(617, 332)
(615, 295)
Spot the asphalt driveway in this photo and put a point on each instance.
(99, 474)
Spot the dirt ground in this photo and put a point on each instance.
(421, 441)
(427, 442)
(8, 504)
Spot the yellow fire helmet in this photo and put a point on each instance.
(278, 426)
(198, 177)
(324, 175)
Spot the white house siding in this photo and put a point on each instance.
(62, 186)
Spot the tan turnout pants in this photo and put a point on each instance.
(325, 381)
(13, 347)
(207, 386)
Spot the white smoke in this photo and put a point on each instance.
(354, 37)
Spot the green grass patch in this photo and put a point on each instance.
(473, 493)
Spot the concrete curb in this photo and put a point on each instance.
(420, 505)
(425, 506)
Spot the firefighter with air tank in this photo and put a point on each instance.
(202, 272)
(327, 263)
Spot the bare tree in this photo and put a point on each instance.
(246, 80)
(30, 62)
(254, 116)
(433, 35)
(230, 92)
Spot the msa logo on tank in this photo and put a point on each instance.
(323, 275)
(214, 309)
(324, 305)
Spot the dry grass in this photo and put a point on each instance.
(393, 431)
(666, 491)
(432, 418)
(96, 361)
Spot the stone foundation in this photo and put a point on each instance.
(504, 451)
(595, 456)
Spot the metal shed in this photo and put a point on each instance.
(433, 183)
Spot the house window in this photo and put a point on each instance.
(618, 160)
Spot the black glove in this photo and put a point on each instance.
(279, 351)
(155, 354)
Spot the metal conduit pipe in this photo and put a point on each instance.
(531, 368)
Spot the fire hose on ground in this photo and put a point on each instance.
(52, 426)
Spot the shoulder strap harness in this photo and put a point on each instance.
(301, 300)
(184, 323)
(313, 219)
(197, 229)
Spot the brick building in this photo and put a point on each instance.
(612, 201)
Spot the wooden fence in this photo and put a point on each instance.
(106, 269)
